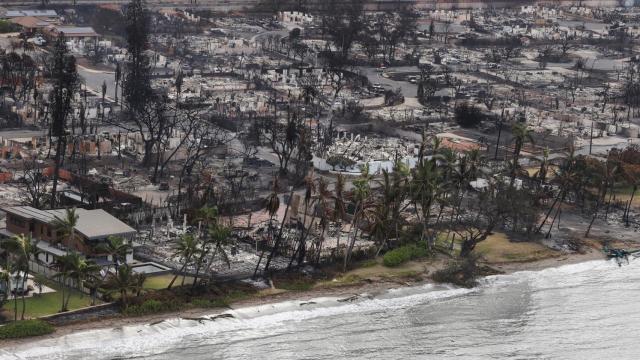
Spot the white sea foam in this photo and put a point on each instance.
(154, 339)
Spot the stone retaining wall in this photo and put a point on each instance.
(84, 314)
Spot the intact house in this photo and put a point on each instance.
(93, 228)
(79, 39)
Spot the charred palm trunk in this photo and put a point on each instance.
(60, 147)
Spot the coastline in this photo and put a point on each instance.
(373, 288)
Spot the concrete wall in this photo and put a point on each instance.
(84, 314)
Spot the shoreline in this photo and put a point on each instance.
(373, 288)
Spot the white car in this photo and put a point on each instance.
(37, 41)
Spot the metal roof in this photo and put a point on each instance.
(19, 13)
(92, 224)
(76, 31)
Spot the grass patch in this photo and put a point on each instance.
(345, 280)
(443, 243)
(25, 328)
(401, 255)
(209, 303)
(367, 263)
(623, 193)
(408, 274)
(294, 283)
(237, 295)
(162, 281)
(152, 306)
(47, 304)
(498, 249)
(176, 299)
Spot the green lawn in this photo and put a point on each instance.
(498, 249)
(47, 304)
(162, 281)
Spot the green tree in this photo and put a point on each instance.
(309, 201)
(116, 247)
(361, 195)
(24, 251)
(339, 208)
(272, 204)
(73, 271)
(521, 135)
(185, 248)
(126, 283)
(65, 226)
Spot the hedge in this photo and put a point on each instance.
(25, 328)
(153, 307)
(401, 255)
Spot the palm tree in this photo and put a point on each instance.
(75, 267)
(521, 135)
(93, 282)
(83, 272)
(5, 280)
(24, 250)
(63, 265)
(605, 180)
(339, 208)
(65, 226)
(39, 280)
(125, 282)
(631, 175)
(218, 238)
(541, 174)
(276, 243)
(386, 214)
(185, 248)
(426, 188)
(310, 189)
(323, 199)
(566, 178)
(116, 247)
(272, 204)
(207, 215)
(361, 193)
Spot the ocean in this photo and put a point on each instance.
(583, 311)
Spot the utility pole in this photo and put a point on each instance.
(591, 139)
(495, 157)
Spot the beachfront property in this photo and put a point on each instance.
(93, 228)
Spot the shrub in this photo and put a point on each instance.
(401, 255)
(367, 263)
(237, 295)
(7, 27)
(397, 257)
(25, 328)
(300, 284)
(152, 307)
(462, 273)
(206, 303)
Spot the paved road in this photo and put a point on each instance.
(408, 89)
(94, 79)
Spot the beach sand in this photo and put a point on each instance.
(270, 296)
